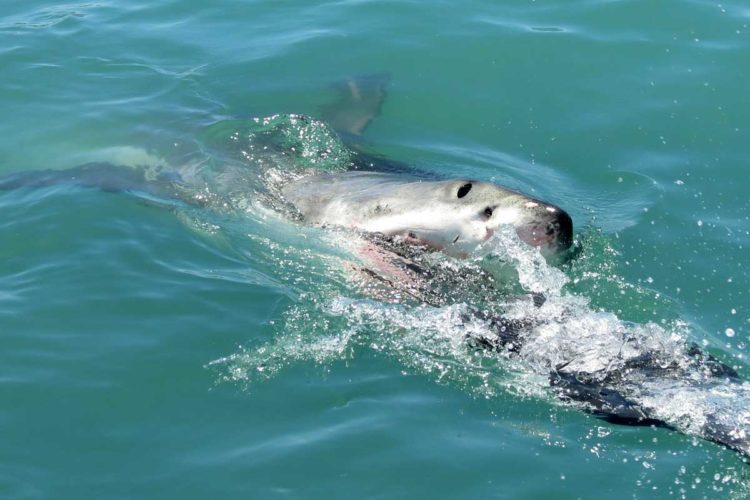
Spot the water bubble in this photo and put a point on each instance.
(729, 332)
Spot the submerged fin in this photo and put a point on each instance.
(718, 432)
(359, 101)
(102, 176)
(605, 402)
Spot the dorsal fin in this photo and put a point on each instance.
(359, 101)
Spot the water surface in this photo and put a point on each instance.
(118, 316)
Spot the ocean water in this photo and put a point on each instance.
(154, 350)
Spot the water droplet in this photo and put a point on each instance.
(729, 332)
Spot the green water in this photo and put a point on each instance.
(115, 314)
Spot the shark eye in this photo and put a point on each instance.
(488, 212)
(464, 190)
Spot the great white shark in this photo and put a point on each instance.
(402, 214)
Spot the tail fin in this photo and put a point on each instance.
(359, 101)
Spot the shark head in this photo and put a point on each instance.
(454, 216)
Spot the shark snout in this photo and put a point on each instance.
(551, 231)
(562, 229)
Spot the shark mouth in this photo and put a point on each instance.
(412, 238)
